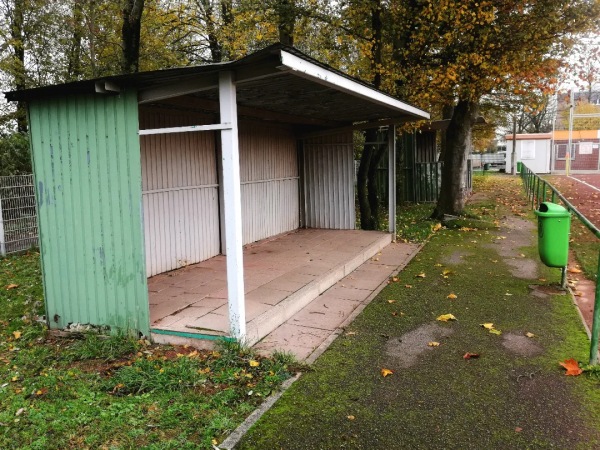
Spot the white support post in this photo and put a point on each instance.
(2, 236)
(392, 180)
(232, 203)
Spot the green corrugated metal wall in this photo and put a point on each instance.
(86, 156)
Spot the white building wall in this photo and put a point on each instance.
(534, 153)
(329, 181)
(179, 192)
(269, 178)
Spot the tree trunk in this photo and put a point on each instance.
(214, 45)
(17, 33)
(286, 12)
(74, 69)
(458, 139)
(362, 186)
(368, 198)
(130, 35)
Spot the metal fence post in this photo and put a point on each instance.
(2, 238)
(596, 320)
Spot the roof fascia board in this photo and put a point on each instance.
(311, 71)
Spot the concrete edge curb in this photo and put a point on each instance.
(231, 441)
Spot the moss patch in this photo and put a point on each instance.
(499, 400)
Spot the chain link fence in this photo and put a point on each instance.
(18, 215)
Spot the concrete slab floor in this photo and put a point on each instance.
(193, 299)
(308, 333)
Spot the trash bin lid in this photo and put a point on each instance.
(549, 209)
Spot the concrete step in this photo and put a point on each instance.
(265, 323)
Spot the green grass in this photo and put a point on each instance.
(116, 392)
(500, 400)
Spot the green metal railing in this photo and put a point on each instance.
(539, 190)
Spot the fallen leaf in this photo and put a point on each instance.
(391, 301)
(518, 429)
(522, 255)
(494, 331)
(529, 335)
(438, 265)
(214, 442)
(395, 279)
(451, 296)
(437, 226)
(487, 326)
(254, 363)
(470, 355)
(408, 286)
(20, 411)
(446, 317)
(421, 275)
(572, 367)
(351, 417)
(446, 272)
(17, 334)
(386, 372)
(12, 286)
(433, 344)
(574, 270)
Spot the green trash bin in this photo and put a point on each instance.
(519, 166)
(554, 223)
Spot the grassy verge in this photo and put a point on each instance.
(94, 392)
(511, 396)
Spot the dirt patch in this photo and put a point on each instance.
(457, 257)
(521, 345)
(551, 408)
(545, 291)
(478, 197)
(407, 348)
(514, 234)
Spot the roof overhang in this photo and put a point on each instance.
(279, 81)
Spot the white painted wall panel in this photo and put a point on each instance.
(269, 177)
(329, 181)
(180, 192)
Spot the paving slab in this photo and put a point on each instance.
(336, 307)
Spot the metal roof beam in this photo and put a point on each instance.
(179, 88)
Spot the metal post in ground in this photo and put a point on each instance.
(2, 236)
(596, 320)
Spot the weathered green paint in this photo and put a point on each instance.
(207, 337)
(86, 157)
